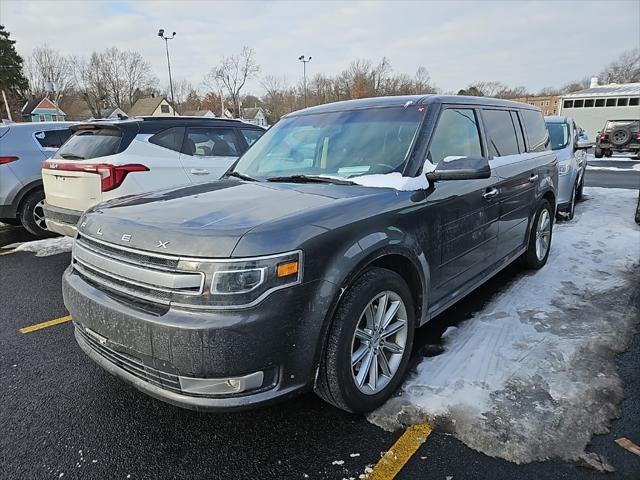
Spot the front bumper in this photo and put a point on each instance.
(279, 337)
(61, 220)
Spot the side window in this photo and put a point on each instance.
(501, 134)
(211, 142)
(537, 133)
(170, 138)
(52, 139)
(518, 126)
(456, 135)
(251, 135)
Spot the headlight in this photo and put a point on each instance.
(243, 282)
(564, 167)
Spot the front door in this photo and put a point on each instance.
(468, 209)
(207, 152)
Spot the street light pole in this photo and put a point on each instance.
(304, 75)
(166, 43)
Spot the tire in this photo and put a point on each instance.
(530, 258)
(597, 152)
(32, 216)
(569, 212)
(580, 190)
(10, 221)
(620, 136)
(337, 381)
(608, 153)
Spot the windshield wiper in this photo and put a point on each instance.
(241, 176)
(310, 179)
(71, 156)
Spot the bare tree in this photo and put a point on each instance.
(233, 73)
(626, 69)
(45, 65)
(125, 74)
(89, 83)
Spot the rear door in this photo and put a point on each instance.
(207, 152)
(518, 175)
(468, 209)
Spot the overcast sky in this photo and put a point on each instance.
(535, 44)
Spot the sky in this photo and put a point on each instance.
(531, 44)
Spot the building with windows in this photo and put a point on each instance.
(254, 115)
(42, 109)
(592, 107)
(547, 103)
(153, 106)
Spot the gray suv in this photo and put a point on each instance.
(23, 148)
(315, 258)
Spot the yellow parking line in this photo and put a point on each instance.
(399, 454)
(50, 323)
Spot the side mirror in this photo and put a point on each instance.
(460, 168)
(583, 145)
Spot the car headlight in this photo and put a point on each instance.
(564, 167)
(241, 283)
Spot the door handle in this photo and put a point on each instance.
(533, 177)
(490, 193)
(199, 171)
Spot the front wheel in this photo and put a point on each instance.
(369, 343)
(580, 189)
(540, 238)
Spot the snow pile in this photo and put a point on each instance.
(532, 376)
(395, 180)
(46, 247)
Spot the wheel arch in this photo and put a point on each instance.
(23, 193)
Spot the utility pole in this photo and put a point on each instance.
(166, 44)
(304, 75)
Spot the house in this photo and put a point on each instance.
(153, 106)
(199, 113)
(110, 113)
(592, 107)
(254, 115)
(42, 109)
(547, 103)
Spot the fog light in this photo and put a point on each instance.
(221, 386)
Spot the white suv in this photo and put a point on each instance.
(106, 160)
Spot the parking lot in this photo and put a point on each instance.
(65, 417)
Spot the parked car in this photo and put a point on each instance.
(23, 148)
(312, 262)
(106, 160)
(570, 150)
(618, 136)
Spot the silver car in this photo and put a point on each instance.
(569, 144)
(23, 148)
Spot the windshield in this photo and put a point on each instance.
(559, 135)
(338, 144)
(86, 144)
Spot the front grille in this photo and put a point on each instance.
(131, 364)
(150, 277)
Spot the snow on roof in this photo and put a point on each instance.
(611, 90)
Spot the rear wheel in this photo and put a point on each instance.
(608, 153)
(32, 214)
(598, 153)
(369, 343)
(540, 238)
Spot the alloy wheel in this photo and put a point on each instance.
(543, 234)
(379, 342)
(38, 215)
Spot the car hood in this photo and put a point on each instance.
(205, 220)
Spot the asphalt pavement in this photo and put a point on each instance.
(64, 417)
(613, 173)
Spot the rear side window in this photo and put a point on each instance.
(94, 143)
(52, 139)
(501, 134)
(251, 135)
(456, 135)
(536, 130)
(211, 142)
(170, 138)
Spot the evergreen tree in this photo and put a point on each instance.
(12, 79)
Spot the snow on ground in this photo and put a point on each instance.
(532, 375)
(618, 157)
(44, 248)
(630, 168)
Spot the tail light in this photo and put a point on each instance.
(111, 176)
(603, 136)
(8, 159)
(638, 136)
